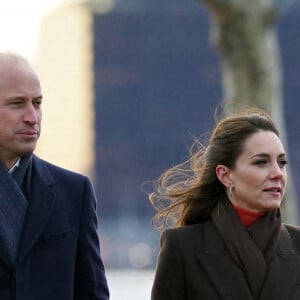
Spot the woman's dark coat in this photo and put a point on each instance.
(193, 264)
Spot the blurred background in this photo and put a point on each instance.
(127, 85)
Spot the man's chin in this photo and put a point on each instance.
(26, 150)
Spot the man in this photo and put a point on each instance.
(49, 248)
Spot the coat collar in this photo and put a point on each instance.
(284, 269)
(228, 278)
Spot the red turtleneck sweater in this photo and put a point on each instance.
(246, 216)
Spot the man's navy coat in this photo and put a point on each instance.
(59, 256)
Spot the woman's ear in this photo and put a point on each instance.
(224, 175)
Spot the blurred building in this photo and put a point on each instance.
(125, 91)
(128, 85)
(65, 66)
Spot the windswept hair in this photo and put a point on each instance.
(186, 193)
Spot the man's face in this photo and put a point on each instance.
(20, 111)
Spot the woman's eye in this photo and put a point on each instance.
(282, 163)
(260, 162)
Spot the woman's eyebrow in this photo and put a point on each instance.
(265, 155)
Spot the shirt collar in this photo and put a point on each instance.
(15, 166)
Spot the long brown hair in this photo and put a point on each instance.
(186, 193)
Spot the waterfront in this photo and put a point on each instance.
(130, 284)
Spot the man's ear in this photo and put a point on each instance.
(224, 175)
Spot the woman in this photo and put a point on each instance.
(229, 241)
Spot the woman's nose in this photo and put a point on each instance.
(276, 171)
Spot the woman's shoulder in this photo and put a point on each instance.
(187, 239)
(294, 233)
(293, 229)
(183, 233)
(185, 229)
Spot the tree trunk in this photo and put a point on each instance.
(243, 32)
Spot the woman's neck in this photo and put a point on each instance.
(247, 217)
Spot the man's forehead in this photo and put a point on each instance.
(12, 62)
(9, 68)
(12, 57)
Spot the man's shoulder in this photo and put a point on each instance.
(54, 169)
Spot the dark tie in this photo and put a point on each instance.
(13, 207)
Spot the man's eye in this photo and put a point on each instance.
(37, 102)
(15, 102)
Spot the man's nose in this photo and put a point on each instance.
(31, 115)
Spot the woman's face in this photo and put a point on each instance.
(259, 176)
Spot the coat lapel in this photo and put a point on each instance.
(284, 269)
(228, 279)
(222, 271)
(5, 257)
(40, 206)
